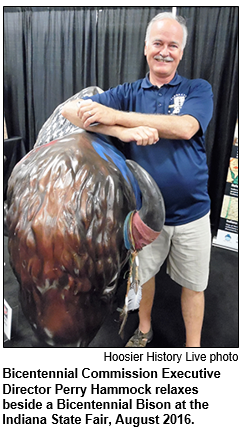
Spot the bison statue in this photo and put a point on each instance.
(68, 206)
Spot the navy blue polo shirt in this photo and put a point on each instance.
(179, 167)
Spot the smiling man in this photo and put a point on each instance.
(163, 50)
(163, 117)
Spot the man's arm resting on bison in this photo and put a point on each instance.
(142, 135)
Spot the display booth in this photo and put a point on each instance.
(227, 236)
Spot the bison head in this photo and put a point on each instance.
(67, 204)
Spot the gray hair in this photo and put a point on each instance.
(168, 15)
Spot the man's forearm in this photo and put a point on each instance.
(169, 127)
(142, 135)
(127, 125)
(69, 111)
(108, 130)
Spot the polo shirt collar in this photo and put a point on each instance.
(147, 84)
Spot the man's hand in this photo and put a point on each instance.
(142, 135)
(85, 113)
(90, 112)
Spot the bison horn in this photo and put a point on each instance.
(146, 224)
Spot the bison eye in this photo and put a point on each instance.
(111, 286)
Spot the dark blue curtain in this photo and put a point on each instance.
(50, 53)
(212, 54)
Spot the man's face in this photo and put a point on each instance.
(163, 50)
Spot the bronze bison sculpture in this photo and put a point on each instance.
(67, 204)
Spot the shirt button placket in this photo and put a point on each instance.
(160, 102)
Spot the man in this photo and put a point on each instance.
(164, 118)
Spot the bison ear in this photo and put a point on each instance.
(142, 227)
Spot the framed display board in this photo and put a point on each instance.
(227, 236)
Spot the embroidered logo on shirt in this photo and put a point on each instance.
(176, 103)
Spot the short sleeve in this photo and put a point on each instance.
(111, 98)
(199, 103)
